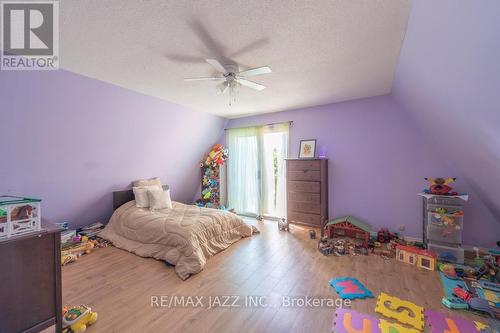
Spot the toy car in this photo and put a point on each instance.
(461, 293)
(454, 303)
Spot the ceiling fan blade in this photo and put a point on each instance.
(251, 84)
(222, 87)
(204, 78)
(256, 71)
(216, 64)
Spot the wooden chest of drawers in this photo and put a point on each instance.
(307, 191)
(30, 288)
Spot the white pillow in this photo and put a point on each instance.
(141, 195)
(159, 199)
(147, 182)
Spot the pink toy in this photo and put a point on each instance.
(442, 323)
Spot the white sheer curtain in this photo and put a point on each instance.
(256, 169)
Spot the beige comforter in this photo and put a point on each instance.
(185, 236)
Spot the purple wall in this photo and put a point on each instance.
(448, 81)
(72, 140)
(377, 159)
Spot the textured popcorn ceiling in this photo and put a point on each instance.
(320, 51)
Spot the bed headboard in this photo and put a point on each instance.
(122, 197)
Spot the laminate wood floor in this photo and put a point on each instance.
(119, 285)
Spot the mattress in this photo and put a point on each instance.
(184, 236)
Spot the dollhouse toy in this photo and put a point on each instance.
(350, 227)
(415, 256)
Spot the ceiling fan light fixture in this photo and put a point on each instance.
(233, 78)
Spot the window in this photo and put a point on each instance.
(424, 262)
(256, 169)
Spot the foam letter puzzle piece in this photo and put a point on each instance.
(481, 326)
(443, 323)
(350, 288)
(349, 321)
(388, 327)
(403, 311)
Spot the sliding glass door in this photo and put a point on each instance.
(256, 169)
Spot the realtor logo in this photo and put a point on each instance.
(30, 35)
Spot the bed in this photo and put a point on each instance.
(184, 236)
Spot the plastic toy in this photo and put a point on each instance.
(77, 318)
(403, 311)
(325, 247)
(454, 303)
(440, 323)
(481, 305)
(448, 270)
(384, 235)
(416, 256)
(349, 321)
(489, 270)
(71, 254)
(3, 216)
(461, 293)
(283, 225)
(19, 215)
(388, 327)
(350, 288)
(348, 226)
(440, 186)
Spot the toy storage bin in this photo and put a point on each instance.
(449, 208)
(19, 215)
(447, 253)
(446, 228)
(445, 200)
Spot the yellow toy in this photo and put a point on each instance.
(77, 318)
(415, 256)
(403, 311)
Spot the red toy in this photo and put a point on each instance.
(384, 235)
(461, 293)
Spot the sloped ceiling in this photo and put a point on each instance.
(320, 51)
(448, 79)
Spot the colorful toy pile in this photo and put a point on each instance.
(216, 157)
(210, 181)
(408, 317)
(470, 287)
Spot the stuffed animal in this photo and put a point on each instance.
(217, 156)
(440, 186)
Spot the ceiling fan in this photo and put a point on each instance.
(232, 78)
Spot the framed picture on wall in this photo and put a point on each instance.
(307, 148)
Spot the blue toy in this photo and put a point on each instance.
(350, 288)
(454, 303)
